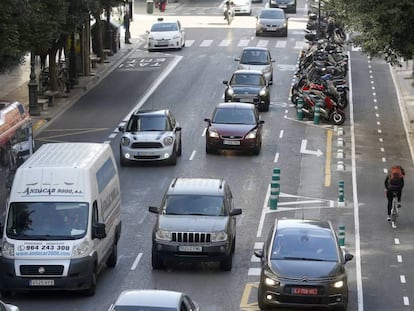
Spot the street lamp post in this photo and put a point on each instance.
(34, 107)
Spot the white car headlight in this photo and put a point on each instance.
(338, 284)
(168, 140)
(80, 249)
(270, 278)
(251, 135)
(163, 235)
(125, 141)
(262, 92)
(213, 134)
(7, 250)
(219, 236)
(230, 91)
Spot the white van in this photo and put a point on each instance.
(62, 221)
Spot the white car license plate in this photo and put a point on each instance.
(231, 142)
(190, 248)
(282, 6)
(271, 28)
(42, 282)
(246, 100)
(145, 153)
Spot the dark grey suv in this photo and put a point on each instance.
(196, 222)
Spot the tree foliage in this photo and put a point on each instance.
(382, 27)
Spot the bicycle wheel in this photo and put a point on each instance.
(394, 211)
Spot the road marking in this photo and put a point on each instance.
(258, 245)
(192, 155)
(399, 258)
(254, 271)
(204, 132)
(254, 258)
(113, 135)
(396, 241)
(276, 157)
(299, 45)
(262, 43)
(263, 214)
(244, 302)
(281, 133)
(280, 44)
(206, 43)
(303, 149)
(243, 43)
(406, 301)
(136, 261)
(225, 43)
(189, 43)
(328, 158)
(402, 279)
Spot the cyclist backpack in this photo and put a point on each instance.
(396, 175)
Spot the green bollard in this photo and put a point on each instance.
(274, 195)
(299, 106)
(341, 235)
(317, 113)
(341, 196)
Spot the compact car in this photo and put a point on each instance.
(272, 21)
(235, 126)
(248, 86)
(289, 6)
(150, 135)
(196, 222)
(302, 265)
(257, 58)
(242, 7)
(166, 35)
(153, 299)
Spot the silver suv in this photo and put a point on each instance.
(257, 58)
(196, 222)
(150, 135)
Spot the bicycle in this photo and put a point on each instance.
(394, 210)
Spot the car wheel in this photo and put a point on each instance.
(227, 263)
(257, 34)
(123, 161)
(179, 152)
(260, 300)
(157, 263)
(233, 246)
(210, 150)
(92, 288)
(6, 293)
(113, 257)
(173, 158)
(286, 33)
(257, 149)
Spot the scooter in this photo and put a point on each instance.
(228, 16)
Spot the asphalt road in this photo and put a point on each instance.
(189, 82)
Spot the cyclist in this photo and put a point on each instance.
(229, 7)
(394, 183)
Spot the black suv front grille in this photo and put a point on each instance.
(191, 237)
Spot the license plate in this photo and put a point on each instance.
(304, 291)
(42, 282)
(231, 142)
(145, 153)
(190, 248)
(271, 28)
(282, 6)
(246, 100)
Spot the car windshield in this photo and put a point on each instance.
(270, 14)
(253, 57)
(148, 123)
(47, 220)
(164, 27)
(205, 205)
(247, 79)
(234, 116)
(304, 244)
(139, 308)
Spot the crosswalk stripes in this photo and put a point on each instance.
(262, 43)
(189, 43)
(279, 44)
(243, 43)
(206, 43)
(225, 43)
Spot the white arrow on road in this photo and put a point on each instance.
(303, 149)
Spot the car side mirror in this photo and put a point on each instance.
(99, 231)
(237, 59)
(348, 257)
(178, 128)
(121, 128)
(270, 82)
(225, 82)
(273, 60)
(207, 120)
(261, 122)
(258, 253)
(236, 211)
(154, 209)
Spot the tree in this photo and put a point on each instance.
(383, 27)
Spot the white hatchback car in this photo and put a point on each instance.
(242, 6)
(153, 299)
(166, 35)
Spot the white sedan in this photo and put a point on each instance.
(153, 299)
(166, 35)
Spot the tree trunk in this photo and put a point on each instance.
(98, 38)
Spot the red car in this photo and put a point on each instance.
(234, 126)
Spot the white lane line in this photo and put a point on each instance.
(276, 157)
(379, 131)
(280, 44)
(397, 241)
(262, 43)
(384, 160)
(107, 142)
(402, 279)
(254, 258)
(399, 258)
(206, 43)
(189, 43)
(136, 261)
(225, 43)
(192, 155)
(406, 301)
(377, 115)
(263, 215)
(281, 133)
(381, 140)
(382, 149)
(204, 132)
(378, 123)
(113, 135)
(243, 43)
(254, 272)
(360, 291)
(258, 245)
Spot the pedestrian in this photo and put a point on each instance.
(126, 26)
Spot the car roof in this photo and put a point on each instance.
(149, 297)
(272, 9)
(303, 224)
(151, 112)
(202, 186)
(238, 105)
(255, 48)
(248, 71)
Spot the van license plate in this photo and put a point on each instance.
(42, 282)
(189, 248)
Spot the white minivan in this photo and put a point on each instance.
(62, 222)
